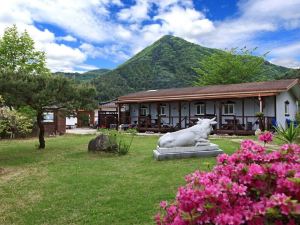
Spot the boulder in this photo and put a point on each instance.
(102, 143)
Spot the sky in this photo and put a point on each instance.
(82, 35)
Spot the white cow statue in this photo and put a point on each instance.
(196, 135)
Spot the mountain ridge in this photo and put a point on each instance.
(166, 63)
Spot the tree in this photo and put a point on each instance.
(18, 54)
(229, 67)
(29, 83)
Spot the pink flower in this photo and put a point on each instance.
(266, 137)
(163, 204)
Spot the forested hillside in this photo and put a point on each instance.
(168, 62)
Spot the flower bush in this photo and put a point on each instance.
(251, 186)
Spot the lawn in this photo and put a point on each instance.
(64, 184)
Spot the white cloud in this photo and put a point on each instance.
(68, 38)
(117, 35)
(135, 13)
(287, 62)
(112, 52)
(287, 55)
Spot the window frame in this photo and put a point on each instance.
(145, 110)
(200, 109)
(163, 106)
(228, 105)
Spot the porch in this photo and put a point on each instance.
(234, 116)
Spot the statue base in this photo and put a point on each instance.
(187, 152)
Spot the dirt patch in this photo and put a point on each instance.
(2, 171)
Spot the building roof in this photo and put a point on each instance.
(266, 88)
(108, 106)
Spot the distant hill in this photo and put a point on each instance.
(87, 76)
(167, 63)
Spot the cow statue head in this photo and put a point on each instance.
(207, 123)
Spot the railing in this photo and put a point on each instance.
(225, 122)
(232, 122)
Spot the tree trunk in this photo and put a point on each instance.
(41, 130)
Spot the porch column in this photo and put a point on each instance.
(158, 115)
(189, 113)
(138, 114)
(119, 116)
(170, 114)
(215, 108)
(243, 112)
(275, 108)
(129, 117)
(179, 114)
(148, 123)
(220, 115)
(260, 104)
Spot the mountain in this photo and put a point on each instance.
(87, 76)
(167, 63)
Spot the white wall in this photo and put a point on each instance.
(280, 114)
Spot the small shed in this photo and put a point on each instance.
(54, 121)
(108, 114)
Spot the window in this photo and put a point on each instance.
(200, 109)
(228, 109)
(143, 111)
(48, 117)
(162, 110)
(286, 108)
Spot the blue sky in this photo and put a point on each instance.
(81, 35)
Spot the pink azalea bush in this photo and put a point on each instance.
(266, 137)
(252, 186)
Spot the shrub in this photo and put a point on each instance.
(12, 122)
(252, 186)
(123, 144)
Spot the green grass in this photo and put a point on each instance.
(64, 184)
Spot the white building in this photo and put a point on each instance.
(236, 106)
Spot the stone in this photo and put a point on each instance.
(102, 143)
(187, 152)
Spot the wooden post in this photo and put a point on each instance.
(243, 111)
(119, 116)
(189, 113)
(215, 108)
(158, 116)
(179, 114)
(138, 113)
(170, 114)
(220, 115)
(129, 117)
(234, 124)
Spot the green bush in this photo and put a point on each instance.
(123, 144)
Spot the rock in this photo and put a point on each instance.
(102, 143)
